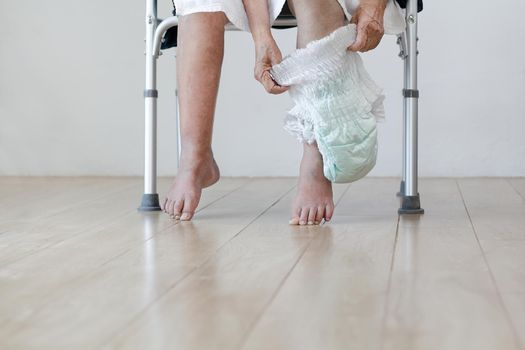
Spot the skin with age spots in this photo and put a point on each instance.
(369, 20)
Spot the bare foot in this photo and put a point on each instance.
(314, 200)
(194, 174)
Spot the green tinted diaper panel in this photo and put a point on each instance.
(336, 104)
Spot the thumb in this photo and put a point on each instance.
(360, 40)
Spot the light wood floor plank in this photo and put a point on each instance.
(515, 303)
(442, 295)
(24, 200)
(151, 261)
(496, 209)
(497, 212)
(41, 220)
(519, 185)
(23, 237)
(225, 296)
(87, 271)
(26, 237)
(335, 297)
(32, 281)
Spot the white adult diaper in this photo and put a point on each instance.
(337, 104)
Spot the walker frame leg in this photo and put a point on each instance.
(150, 198)
(410, 200)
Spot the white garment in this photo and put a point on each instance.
(337, 104)
(234, 9)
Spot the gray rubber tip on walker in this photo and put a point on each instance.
(150, 202)
(410, 205)
(401, 189)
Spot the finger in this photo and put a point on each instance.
(270, 85)
(267, 83)
(278, 89)
(367, 46)
(372, 45)
(258, 75)
(373, 38)
(375, 41)
(360, 40)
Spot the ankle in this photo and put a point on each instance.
(196, 154)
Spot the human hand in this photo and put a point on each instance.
(267, 54)
(369, 20)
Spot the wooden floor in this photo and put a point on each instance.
(80, 268)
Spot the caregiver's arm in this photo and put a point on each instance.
(369, 20)
(267, 52)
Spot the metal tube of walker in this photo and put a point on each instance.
(150, 199)
(410, 198)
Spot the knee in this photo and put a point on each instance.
(316, 10)
(211, 20)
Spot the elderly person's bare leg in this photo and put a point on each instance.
(199, 60)
(314, 200)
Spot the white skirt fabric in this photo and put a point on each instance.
(234, 9)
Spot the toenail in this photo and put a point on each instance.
(185, 216)
(316, 222)
(310, 222)
(302, 222)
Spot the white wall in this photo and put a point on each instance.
(71, 81)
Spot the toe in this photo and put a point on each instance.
(177, 208)
(169, 207)
(320, 215)
(312, 212)
(303, 218)
(329, 211)
(163, 206)
(294, 221)
(296, 212)
(190, 204)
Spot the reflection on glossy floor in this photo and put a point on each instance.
(80, 268)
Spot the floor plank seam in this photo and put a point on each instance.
(183, 278)
(257, 319)
(81, 203)
(515, 189)
(72, 236)
(78, 233)
(257, 217)
(491, 274)
(389, 285)
(245, 338)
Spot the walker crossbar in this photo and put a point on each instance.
(155, 31)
